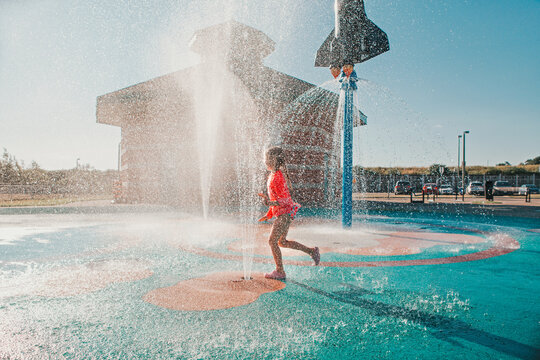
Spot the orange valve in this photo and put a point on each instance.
(348, 69)
(335, 71)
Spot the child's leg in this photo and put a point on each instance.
(291, 244)
(279, 229)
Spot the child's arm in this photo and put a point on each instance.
(266, 200)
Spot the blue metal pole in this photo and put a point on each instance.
(346, 200)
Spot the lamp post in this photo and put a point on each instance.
(463, 167)
(355, 39)
(458, 146)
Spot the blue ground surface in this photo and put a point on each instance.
(486, 309)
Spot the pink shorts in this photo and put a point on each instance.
(294, 210)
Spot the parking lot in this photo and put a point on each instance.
(469, 199)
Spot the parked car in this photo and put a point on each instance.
(430, 188)
(402, 187)
(533, 189)
(446, 189)
(502, 187)
(475, 188)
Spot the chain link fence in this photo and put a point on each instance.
(373, 183)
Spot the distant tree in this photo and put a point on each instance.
(10, 169)
(535, 161)
(506, 163)
(434, 170)
(35, 175)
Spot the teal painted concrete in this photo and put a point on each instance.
(486, 309)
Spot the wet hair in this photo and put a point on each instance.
(278, 154)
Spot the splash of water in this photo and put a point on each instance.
(208, 105)
(308, 114)
(228, 132)
(248, 174)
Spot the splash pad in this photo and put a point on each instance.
(170, 285)
(123, 285)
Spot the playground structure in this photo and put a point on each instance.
(355, 39)
(181, 125)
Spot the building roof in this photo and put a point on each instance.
(247, 48)
(232, 41)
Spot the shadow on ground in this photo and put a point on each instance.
(442, 327)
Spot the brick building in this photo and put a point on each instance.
(160, 151)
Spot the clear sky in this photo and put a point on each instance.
(453, 65)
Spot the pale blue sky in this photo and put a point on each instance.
(453, 65)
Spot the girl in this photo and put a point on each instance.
(283, 209)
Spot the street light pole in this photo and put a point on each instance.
(458, 148)
(458, 156)
(463, 167)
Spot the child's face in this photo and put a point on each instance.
(270, 162)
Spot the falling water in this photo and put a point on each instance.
(247, 198)
(313, 106)
(386, 114)
(208, 104)
(247, 138)
(314, 103)
(393, 129)
(228, 139)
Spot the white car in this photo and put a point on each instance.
(533, 189)
(446, 189)
(475, 188)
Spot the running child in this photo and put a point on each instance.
(283, 209)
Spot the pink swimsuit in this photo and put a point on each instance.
(278, 191)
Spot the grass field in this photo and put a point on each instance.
(12, 200)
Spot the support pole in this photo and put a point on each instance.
(463, 171)
(354, 40)
(463, 167)
(346, 200)
(458, 159)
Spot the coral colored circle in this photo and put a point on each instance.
(504, 244)
(217, 291)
